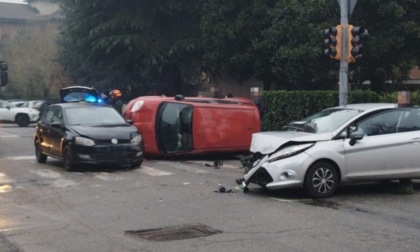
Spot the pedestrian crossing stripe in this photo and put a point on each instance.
(7, 135)
(152, 171)
(18, 158)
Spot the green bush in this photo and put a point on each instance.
(282, 107)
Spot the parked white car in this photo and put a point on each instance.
(20, 115)
(344, 144)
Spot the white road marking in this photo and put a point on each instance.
(4, 134)
(47, 174)
(106, 176)
(5, 188)
(152, 171)
(57, 178)
(63, 183)
(18, 158)
(4, 179)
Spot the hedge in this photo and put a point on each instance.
(281, 107)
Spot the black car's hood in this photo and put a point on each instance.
(104, 132)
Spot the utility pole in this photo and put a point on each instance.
(344, 42)
(344, 65)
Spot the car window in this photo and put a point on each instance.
(379, 124)
(48, 116)
(409, 121)
(79, 96)
(174, 127)
(5, 104)
(325, 121)
(92, 115)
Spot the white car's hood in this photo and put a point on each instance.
(268, 142)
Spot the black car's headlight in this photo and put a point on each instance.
(136, 138)
(289, 151)
(84, 141)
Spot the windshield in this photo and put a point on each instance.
(325, 121)
(5, 104)
(93, 115)
(79, 96)
(174, 127)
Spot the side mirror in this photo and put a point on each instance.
(8, 107)
(129, 121)
(355, 136)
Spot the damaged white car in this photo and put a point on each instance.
(344, 144)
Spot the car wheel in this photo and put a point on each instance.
(41, 158)
(22, 120)
(321, 180)
(67, 159)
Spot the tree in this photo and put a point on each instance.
(394, 33)
(230, 30)
(280, 41)
(135, 45)
(31, 54)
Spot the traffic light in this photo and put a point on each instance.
(332, 42)
(356, 37)
(3, 73)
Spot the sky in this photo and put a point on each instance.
(13, 1)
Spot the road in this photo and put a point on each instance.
(44, 208)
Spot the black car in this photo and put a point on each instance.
(87, 133)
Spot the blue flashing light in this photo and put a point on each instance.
(90, 98)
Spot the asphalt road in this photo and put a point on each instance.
(44, 208)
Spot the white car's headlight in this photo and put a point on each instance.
(136, 138)
(289, 151)
(84, 141)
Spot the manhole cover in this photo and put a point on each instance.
(180, 232)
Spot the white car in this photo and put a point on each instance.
(20, 115)
(344, 144)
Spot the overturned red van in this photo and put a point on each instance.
(193, 125)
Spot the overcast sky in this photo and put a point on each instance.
(13, 1)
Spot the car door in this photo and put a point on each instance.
(50, 132)
(56, 130)
(6, 113)
(385, 152)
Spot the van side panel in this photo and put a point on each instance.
(224, 128)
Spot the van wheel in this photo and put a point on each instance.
(22, 120)
(321, 181)
(67, 159)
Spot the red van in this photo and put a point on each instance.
(193, 125)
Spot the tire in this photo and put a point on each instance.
(321, 181)
(41, 158)
(67, 159)
(22, 120)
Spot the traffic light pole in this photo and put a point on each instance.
(344, 65)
